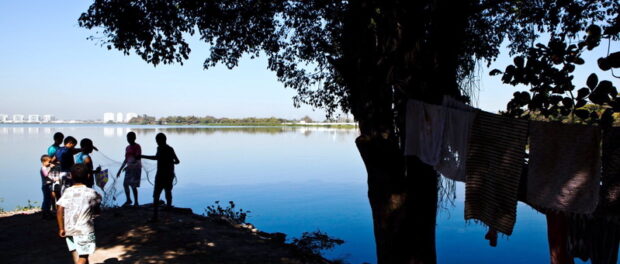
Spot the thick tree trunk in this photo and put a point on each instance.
(403, 206)
(387, 58)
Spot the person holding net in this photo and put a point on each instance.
(166, 159)
(133, 169)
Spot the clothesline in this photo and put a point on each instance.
(488, 152)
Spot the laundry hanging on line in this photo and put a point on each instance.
(564, 167)
(494, 164)
(424, 131)
(459, 119)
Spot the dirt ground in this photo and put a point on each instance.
(123, 235)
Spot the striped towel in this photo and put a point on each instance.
(494, 164)
(564, 167)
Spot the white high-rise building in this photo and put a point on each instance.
(129, 116)
(119, 117)
(18, 118)
(47, 118)
(108, 117)
(33, 118)
(4, 118)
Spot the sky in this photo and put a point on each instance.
(49, 67)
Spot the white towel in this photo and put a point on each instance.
(425, 127)
(459, 120)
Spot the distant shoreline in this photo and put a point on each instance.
(327, 125)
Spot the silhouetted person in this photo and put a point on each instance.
(58, 137)
(86, 147)
(64, 157)
(166, 159)
(133, 168)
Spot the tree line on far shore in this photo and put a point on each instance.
(210, 120)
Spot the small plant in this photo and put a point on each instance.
(228, 213)
(31, 205)
(1, 209)
(315, 242)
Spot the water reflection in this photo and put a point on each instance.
(337, 134)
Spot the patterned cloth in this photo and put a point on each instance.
(564, 167)
(80, 204)
(102, 178)
(494, 164)
(82, 244)
(424, 128)
(459, 121)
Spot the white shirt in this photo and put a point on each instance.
(79, 203)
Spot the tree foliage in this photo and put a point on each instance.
(548, 70)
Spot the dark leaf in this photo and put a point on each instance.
(592, 81)
(495, 72)
(519, 61)
(582, 93)
(567, 102)
(580, 103)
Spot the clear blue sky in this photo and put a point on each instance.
(48, 66)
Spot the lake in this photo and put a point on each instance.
(291, 179)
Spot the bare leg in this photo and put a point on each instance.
(126, 187)
(168, 197)
(75, 257)
(83, 259)
(135, 195)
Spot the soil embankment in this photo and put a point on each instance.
(125, 236)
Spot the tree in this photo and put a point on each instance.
(366, 57)
(307, 119)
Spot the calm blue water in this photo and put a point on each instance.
(293, 180)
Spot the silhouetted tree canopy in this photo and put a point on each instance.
(368, 57)
(303, 40)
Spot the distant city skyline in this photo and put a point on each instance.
(50, 67)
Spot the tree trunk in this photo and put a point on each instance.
(403, 207)
(388, 57)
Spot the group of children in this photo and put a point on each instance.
(68, 177)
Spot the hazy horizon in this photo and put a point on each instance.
(51, 68)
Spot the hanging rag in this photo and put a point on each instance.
(424, 131)
(597, 236)
(459, 121)
(564, 167)
(610, 188)
(594, 237)
(494, 164)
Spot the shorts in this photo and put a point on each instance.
(82, 244)
(162, 182)
(132, 177)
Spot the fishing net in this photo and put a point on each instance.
(111, 187)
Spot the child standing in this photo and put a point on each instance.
(76, 211)
(64, 156)
(86, 147)
(46, 185)
(133, 169)
(166, 159)
(58, 137)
